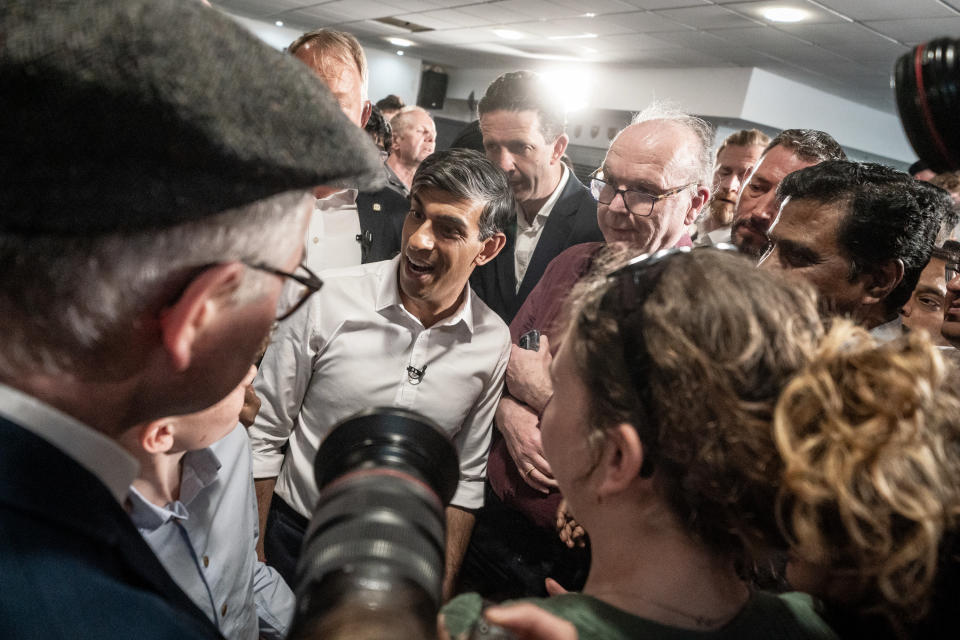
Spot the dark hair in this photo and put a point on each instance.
(889, 216)
(468, 175)
(808, 144)
(469, 137)
(390, 103)
(714, 462)
(379, 129)
(917, 167)
(525, 91)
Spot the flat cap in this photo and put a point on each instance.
(139, 114)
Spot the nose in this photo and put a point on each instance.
(422, 238)
(907, 308)
(766, 207)
(502, 158)
(618, 204)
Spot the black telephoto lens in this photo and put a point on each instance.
(373, 557)
(927, 88)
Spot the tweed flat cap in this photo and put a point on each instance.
(139, 114)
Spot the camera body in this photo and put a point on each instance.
(372, 563)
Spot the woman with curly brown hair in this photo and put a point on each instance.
(658, 432)
(870, 438)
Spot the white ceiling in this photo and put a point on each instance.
(847, 47)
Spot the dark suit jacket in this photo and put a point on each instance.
(572, 221)
(72, 565)
(381, 223)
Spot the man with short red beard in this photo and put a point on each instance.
(757, 206)
(407, 332)
(735, 157)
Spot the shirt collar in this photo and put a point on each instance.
(340, 198)
(388, 296)
(96, 452)
(198, 471)
(550, 203)
(888, 331)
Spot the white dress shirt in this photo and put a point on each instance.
(207, 540)
(94, 451)
(348, 349)
(331, 240)
(888, 331)
(528, 233)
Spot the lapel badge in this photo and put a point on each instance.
(376, 206)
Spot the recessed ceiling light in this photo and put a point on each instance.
(589, 15)
(399, 52)
(507, 34)
(576, 37)
(400, 42)
(784, 14)
(279, 23)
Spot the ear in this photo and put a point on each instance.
(157, 436)
(879, 282)
(365, 114)
(491, 247)
(185, 318)
(621, 459)
(699, 199)
(559, 146)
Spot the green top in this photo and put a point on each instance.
(790, 616)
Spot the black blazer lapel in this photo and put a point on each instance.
(574, 203)
(381, 215)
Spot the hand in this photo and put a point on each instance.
(570, 531)
(554, 588)
(530, 622)
(528, 375)
(520, 427)
(251, 406)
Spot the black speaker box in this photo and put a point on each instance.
(433, 89)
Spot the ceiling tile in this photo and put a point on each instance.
(707, 17)
(426, 20)
(647, 22)
(598, 7)
(864, 10)
(851, 40)
(915, 31)
(258, 8)
(361, 9)
(456, 17)
(650, 5)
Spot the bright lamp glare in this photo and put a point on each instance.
(400, 42)
(784, 14)
(507, 34)
(570, 87)
(279, 23)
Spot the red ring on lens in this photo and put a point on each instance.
(925, 107)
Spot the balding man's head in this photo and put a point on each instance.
(660, 164)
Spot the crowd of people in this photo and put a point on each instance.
(707, 391)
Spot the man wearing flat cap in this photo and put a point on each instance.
(149, 218)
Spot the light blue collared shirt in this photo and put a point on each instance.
(201, 541)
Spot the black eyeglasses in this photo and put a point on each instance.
(638, 203)
(303, 284)
(634, 282)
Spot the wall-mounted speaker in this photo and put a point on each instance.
(433, 89)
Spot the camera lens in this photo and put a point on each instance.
(377, 536)
(927, 87)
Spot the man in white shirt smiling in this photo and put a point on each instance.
(407, 332)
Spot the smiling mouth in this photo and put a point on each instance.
(418, 266)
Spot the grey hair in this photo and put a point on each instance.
(63, 299)
(467, 175)
(702, 131)
(403, 120)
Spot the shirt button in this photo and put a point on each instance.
(206, 561)
(223, 609)
(316, 240)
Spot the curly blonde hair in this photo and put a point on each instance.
(870, 440)
(723, 338)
